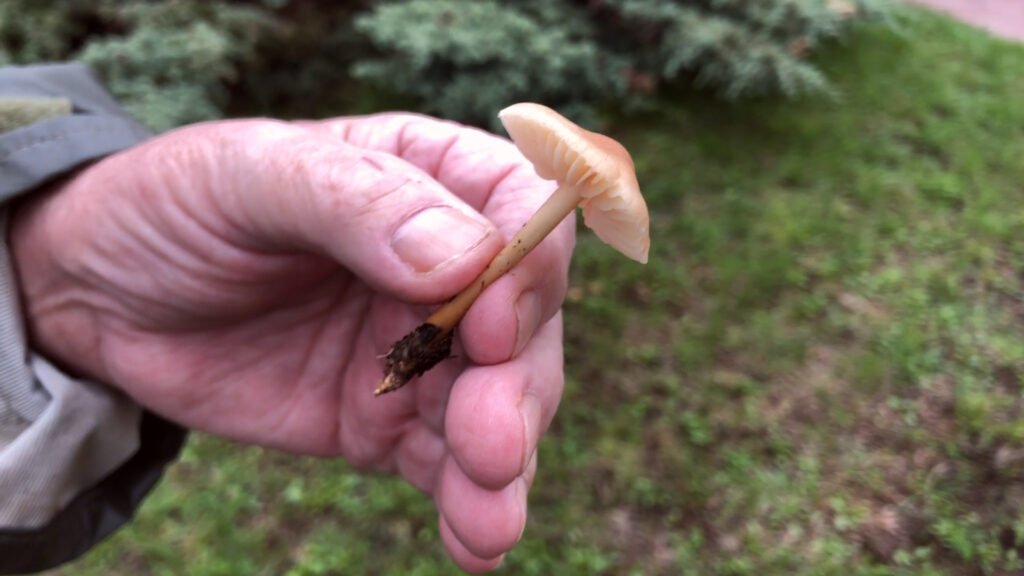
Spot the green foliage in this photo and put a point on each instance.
(741, 47)
(36, 31)
(174, 64)
(169, 63)
(467, 59)
(178, 61)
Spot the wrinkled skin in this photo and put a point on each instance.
(241, 278)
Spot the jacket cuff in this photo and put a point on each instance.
(76, 457)
(97, 126)
(99, 510)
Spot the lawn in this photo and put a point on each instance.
(820, 371)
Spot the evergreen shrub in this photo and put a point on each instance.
(178, 61)
(467, 59)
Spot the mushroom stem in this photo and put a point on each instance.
(430, 342)
(559, 205)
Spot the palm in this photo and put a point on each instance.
(294, 371)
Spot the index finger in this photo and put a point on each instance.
(473, 164)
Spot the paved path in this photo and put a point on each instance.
(1002, 17)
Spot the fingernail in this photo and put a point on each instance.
(523, 492)
(434, 236)
(527, 319)
(529, 410)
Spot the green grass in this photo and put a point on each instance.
(820, 372)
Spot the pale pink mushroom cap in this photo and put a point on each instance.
(596, 166)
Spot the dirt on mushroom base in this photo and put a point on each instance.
(417, 352)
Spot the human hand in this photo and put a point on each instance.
(242, 277)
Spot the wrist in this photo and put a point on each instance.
(58, 320)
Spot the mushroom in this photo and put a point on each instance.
(592, 170)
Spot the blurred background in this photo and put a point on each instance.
(820, 370)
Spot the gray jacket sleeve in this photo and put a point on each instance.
(76, 457)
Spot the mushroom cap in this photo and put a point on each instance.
(598, 167)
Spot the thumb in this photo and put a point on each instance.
(384, 219)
